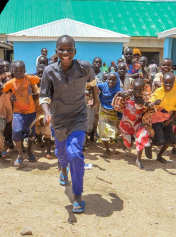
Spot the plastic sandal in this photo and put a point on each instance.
(4, 154)
(48, 156)
(18, 162)
(62, 182)
(80, 210)
(32, 158)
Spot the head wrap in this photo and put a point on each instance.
(136, 51)
(108, 93)
(117, 86)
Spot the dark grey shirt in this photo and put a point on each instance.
(67, 93)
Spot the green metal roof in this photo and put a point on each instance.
(134, 18)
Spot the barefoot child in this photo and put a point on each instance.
(107, 115)
(63, 90)
(162, 119)
(24, 110)
(131, 124)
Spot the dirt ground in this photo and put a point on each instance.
(121, 200)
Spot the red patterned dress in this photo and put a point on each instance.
(131, 126)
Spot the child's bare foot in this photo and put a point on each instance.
(138, 164)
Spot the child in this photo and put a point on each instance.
(131, 124)
(24, 110)
(104, 68)
(120, 60)
(39, 128)
(105, 76)
(166, 66)
(142, 72)
(63, 89)
(3, 122)
(42, 60)
(113, 67)
(6, 76)
(107, 115)
(44, 52)
(152, 69)
(6, 66)
(162, 119)
(132, 67)
(144, 75)
(96, 65)
(136, 54)
(125, 79)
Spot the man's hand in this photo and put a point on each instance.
(92, 104)
(46, 120)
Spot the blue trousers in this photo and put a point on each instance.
(70, 151)
(20, 126)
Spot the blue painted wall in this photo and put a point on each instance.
(170, 49)
(29, 51)
(173, 53)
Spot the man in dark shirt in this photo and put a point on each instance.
(63, 92)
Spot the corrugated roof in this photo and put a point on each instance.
(167, 33)
(69, 27)
(134, 18)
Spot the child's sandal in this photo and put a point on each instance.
(18, 162)
(32, 158)
(49, 156)
(4, 154)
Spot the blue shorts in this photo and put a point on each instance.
(21, 126)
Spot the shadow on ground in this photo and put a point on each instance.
(95, 205)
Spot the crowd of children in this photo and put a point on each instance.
(139, 103)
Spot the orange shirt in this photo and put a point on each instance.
(21, 88)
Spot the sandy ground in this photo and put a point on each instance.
(121, 200)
